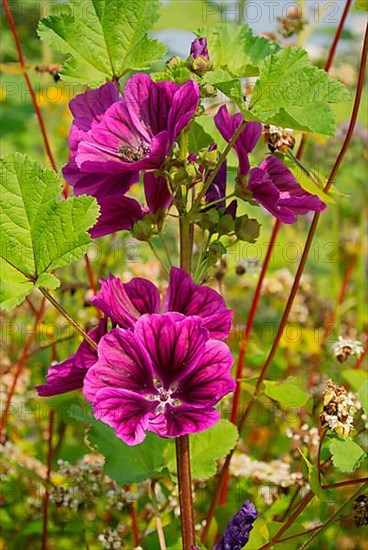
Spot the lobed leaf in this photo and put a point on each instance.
(235, 49)
(347, 456)
(290, 92)
(38, 232)
(104, 39)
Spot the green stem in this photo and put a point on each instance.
(208, 204)
(151, 245)
(215, 171)
(163, 241)
(68, 317)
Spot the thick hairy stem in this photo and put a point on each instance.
(182, 443)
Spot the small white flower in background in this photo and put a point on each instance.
(344, 348)
(111, 539)
(339, 408)
(276, 472)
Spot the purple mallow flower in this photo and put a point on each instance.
(199, 48)
(228, 124)
(237, 530)
(272, 184)
(124, 304)
(277, 190)
(165, 376)
(138, 131)
(112, 139)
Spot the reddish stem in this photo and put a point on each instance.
(244, 343)
(345, 483)
(360, 361)
(21, 364)
(337, 36)
(303, 504)
(48, 476)
(135, 528)
(31, 90)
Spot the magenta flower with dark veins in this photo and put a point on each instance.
(228, 124)
(277, 190)
(112, 139)
(164, 376)
(238, 529)
(138, 132)
(124, 304)
(273, 185)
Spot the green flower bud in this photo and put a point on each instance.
(142, 230)
(226, 225)
(247, 229)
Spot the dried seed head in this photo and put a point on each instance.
(278, 139)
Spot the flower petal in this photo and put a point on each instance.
(123, 363)
(117, 213)
(267, 194)
(228, 125)
(125, 411)
(210, 380)
(62, 378)
(89, 107)
(69, 375)
(157, 193)
(185, 419)
(175, 345)
(185, 296)
(97, 184)
(124, 303)
(217, 189)
(184, 105)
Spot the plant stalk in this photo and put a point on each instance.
(182, 443)
(68, 317)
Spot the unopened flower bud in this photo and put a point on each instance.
(247, 229)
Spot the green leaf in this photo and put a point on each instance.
(313, 478)
(103, 38)
(235, 48)
(38, 233)
(124, 463)
(292, 93)
(14, 286)
(361, 5)
(347, 456)
(207, 447)
(355, 378)
(198, 138)
(308, 183)
(47, 280)
(226, 84)
(287, 393)
(362, 395)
